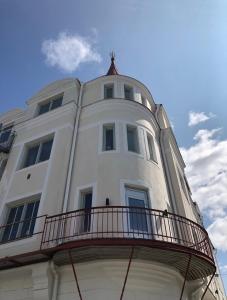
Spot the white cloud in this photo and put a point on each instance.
(206, 170)
(217, 231)
(223, 268)
(196, 118)
(68, 51)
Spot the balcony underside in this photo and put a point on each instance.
(171, 255)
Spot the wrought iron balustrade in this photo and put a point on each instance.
(125, 223)
(6, 144)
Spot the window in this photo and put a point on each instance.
(137, 202)
(2, 167)
(151, 147)
(86, 200)
(50, 105)
(38, 153)
(108, 91)
(5, 134)
(143, 100)
(132, 139)
(183, 184)
(128, 92)
(20, 221)
(108, 137)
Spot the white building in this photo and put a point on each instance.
(94, 203)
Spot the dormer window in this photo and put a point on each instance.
(128, 90)
(108, 91)
(50, 105)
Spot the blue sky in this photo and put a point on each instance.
(177, 48)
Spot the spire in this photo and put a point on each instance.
(112, 69)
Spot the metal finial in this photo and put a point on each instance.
(112, 56)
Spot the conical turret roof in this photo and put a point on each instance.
(112, 69)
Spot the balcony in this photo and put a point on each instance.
(6, 141)
(111, 231)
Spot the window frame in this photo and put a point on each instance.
(105, 86)
(130, 192)
(104, 128)
(3, 164)
(151, 151)
(143, 101)
(34, 144)
(50, 102)
(22, 222)
(138, 146)
(86, 216)
(183, 185)
(132, 97)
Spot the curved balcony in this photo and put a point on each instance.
(111, 231)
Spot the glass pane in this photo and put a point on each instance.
(143, 100)
(8, 228)
(108, 91)
(108, 138)
(44, 108)
(45, 151)
(17, 224)
(87, 214)
(56, 103)
(4, 136)
(132, 139)
(35, 212)
(27, 218)
(137, 216)
(2, 167)
(31, 156)
(150, 143)
(128, 93)
(30, 215)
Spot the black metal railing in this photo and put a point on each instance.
(6, 144)
(124, 222)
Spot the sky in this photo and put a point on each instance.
(177, 48)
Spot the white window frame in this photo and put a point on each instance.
(135, 189)
(80, 190)
(25, 203)
(117, 137)
(182, 184)
(153, 151)
(106, 85)
(104, 128)
(32, 144)
(50, 101)
(132, 91)
(138, 147)
(102, 93)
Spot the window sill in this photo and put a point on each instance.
(32, 166)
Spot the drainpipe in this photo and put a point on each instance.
(55, 281)
(166, 167)
(72, 152)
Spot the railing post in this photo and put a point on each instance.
(185, 276)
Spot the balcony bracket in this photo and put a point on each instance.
(126, 276)
(185, 276)
(208, 285)
(75, 276)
